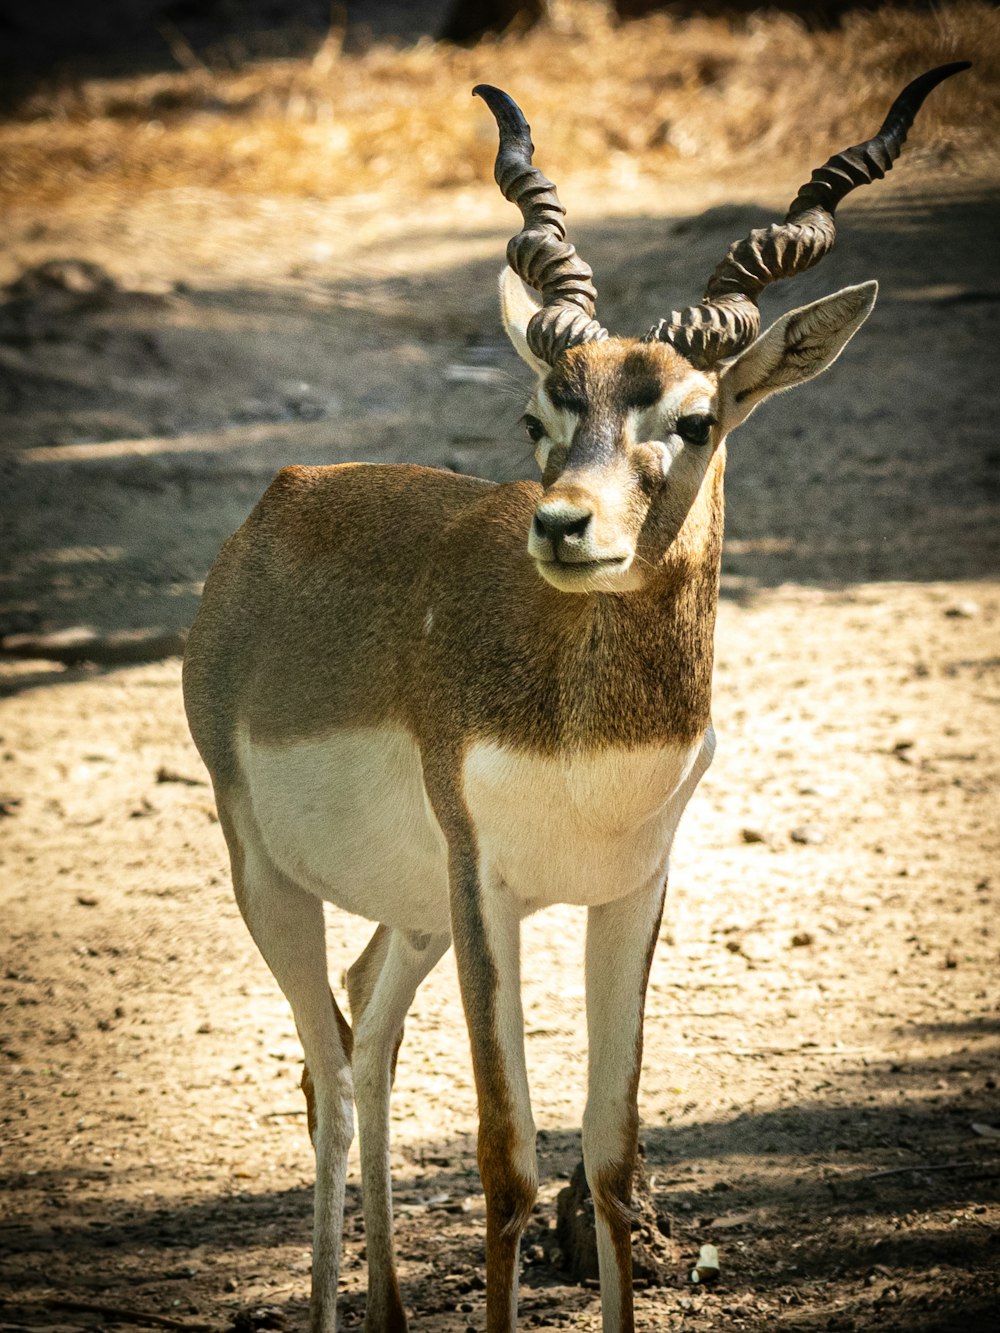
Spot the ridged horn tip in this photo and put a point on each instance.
(540, 254)
(913, 96)
(508, 115)
(923, 83)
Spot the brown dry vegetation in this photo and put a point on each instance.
(697, 96)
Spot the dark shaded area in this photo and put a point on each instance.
(139, 431)
(835, 1171)
(117, 37)
(813, 13)
(466, 21)
(134, 36)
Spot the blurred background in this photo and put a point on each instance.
(241, 235)
(127, 35)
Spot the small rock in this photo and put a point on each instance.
(249, 1321)
(707, 1268)
(808, 835)
(86, 900)
(967, 610)
(752, 835)
(901, 750)
(77, 277)
(802, 938)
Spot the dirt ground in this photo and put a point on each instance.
(819, 1093)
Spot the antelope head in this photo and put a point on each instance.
(627, 430)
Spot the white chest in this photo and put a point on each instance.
(579, 828)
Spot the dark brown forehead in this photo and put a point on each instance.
(616, 375)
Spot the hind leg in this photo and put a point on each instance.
(287, 926)
(381, 986)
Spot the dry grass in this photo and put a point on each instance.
(662, 98)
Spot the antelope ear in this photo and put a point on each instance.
(518, 303)
(794, 349)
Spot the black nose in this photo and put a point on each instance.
(554, 525)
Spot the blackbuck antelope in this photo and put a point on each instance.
(444, 704)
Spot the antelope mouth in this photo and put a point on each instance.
(606, 564)
(585, 575)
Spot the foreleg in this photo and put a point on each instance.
(381, 986)
(620, 940)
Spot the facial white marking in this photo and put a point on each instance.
(348, 818)
(559, 422)
(684, 465)
(694, 395)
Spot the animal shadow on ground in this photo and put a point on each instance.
(828, 1168)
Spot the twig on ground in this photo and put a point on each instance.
(182, 50)
(920, 1166)
(169, 775)
(137, 1316)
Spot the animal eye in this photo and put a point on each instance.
(695, 429)
(534, 427)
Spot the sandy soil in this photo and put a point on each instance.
(819, 1093)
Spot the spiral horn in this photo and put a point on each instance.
(539, 253)
(728, 318)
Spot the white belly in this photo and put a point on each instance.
(579, 829)
(347, 817)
